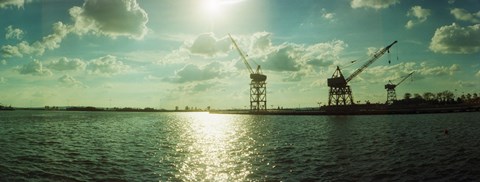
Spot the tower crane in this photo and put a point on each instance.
(258, 89)
(391, 95)
(340, 92)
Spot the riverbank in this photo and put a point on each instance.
(362, 109)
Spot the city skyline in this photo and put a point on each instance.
(163, 54)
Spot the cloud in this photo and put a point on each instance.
(466, 84)
(6, 3)
(107, 65)
(64, 63)
(49, 42)
(419, 14)
(13, 33)
(69, 81)
(111, 18)
(3, 80)
(375, 4)
(382, 74)
(209, 46)
(34, 68)
(464, 15)
(261, 42)
(327, 16)
(454, 39)
(191, 73)
(196, 87)
(298, 59)
(294, 57)
(324, 54)
(3, 62)
(283, 58)
(478, 74)
(438, 71)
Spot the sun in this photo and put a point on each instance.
(212, 8)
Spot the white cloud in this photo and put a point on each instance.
(49, 42)
(174, 57)
(375, 4)
(105, 17)
(295, 57)
(465, 84)
(260, 42)
(111, 18)
(382, 74)
(3, 62)
(107, 65)
(70, 81)
(34, 68)
(298, 59)
(192, 88)
(478, 74)
(64, 63)
(283, 58)
(324, 54)
(464, 15)
(327, 15)
(191, 73)
(419, 14)
(209, 46)
(6, 3)
(13, 33)
(3, 80)
(454, 39)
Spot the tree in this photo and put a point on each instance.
(417, 96)
(407, 96)
(429, 96)
(469, 96)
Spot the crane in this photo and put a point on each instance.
(340, 92)
(391, 95)
(258, 88)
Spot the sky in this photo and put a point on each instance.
(163, 53)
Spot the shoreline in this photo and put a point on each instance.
(359, 110)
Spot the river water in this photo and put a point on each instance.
(107, 146)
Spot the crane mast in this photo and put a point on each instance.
(258, 88)
(340, 92)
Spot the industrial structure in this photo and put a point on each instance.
(340, 92)
(391, 95)
(258, 86)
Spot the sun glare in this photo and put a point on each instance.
(213, 7)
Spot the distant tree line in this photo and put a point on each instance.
(445, 97)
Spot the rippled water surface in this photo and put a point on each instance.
(86, 146)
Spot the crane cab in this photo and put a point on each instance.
(258, 77)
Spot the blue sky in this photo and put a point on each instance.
(162, 54)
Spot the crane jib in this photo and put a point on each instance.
(369, 62)
(241, 55)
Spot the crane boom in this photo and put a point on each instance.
(404, 78)
(369, 62)
(244, 59)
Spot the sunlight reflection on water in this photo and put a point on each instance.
(214, 152)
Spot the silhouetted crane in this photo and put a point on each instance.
(258, 89)
(391, 95)
(340, 93)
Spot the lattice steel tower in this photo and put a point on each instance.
(391, 95)
(340, 93)
(258, 86)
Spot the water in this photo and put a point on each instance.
(103, 146)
